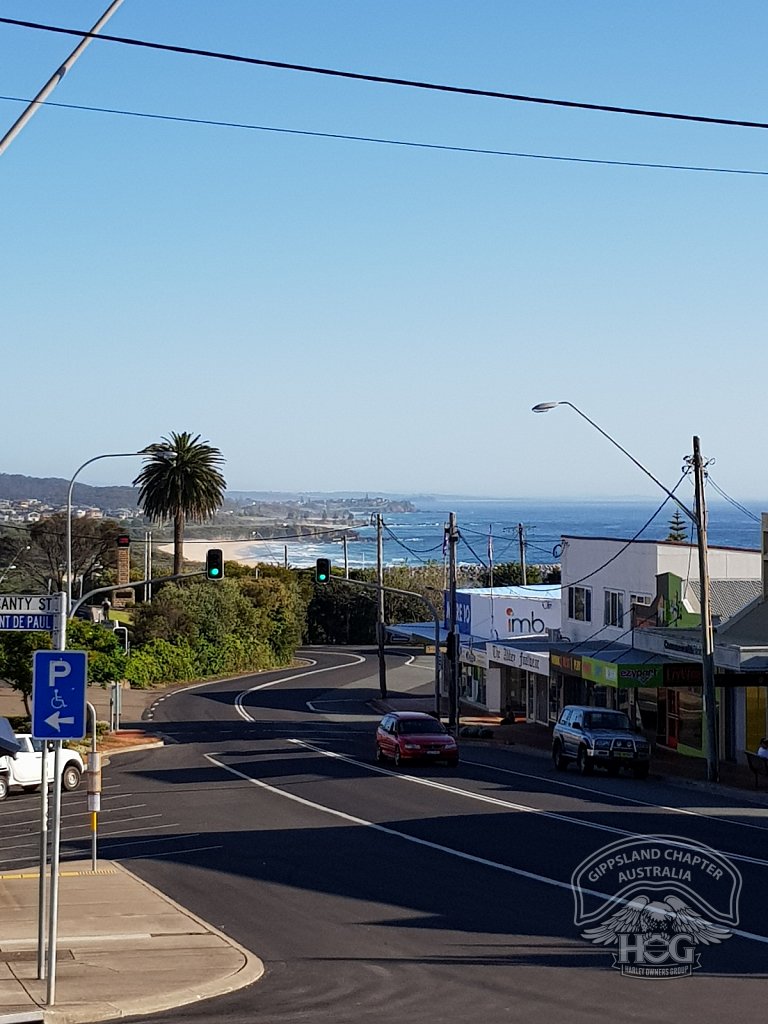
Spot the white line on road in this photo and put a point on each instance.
(616, 796)
(495, 865)
(358, 660)
(497, 801)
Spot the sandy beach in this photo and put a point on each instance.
(301, 553)
(249, 552)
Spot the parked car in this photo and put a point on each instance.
(414, 736)
(599, 737)
(23, 769)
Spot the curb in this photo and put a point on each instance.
(251, 970)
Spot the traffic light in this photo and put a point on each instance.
(323, 570)
(214, 564)
(123, 540)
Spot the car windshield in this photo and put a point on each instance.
(420, 725)
(606, 720)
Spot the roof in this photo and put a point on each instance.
(411, 714)
(619, 654)
(727, 597)
(659, 543)
(536, 591)
(747, 630)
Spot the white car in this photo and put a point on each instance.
(24, 768)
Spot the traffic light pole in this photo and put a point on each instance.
(134, 583)
(424, 600)
(380, 605)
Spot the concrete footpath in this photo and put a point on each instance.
(123, 948)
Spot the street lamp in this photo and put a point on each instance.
(698, 517)
(9, 568)
(109, 455)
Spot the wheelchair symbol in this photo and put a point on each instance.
(57, 703)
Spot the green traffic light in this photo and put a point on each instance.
(214, 572)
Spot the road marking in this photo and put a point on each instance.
(506, 868)
(497, 801)
(620, 796)
(358, 660)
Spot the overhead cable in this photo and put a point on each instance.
(386, 80)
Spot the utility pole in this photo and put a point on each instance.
(148, 564)
(346, 558)
(453, 635)
(521, 538)
(707, 639)
(34, 105)
(380, 604)
(285, 556)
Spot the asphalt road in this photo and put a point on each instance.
(430, 893)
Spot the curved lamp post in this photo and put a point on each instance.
(109, 455)
(698, 517)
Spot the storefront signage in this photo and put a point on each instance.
(472, 656)
(688, 648)
(682, 675)
(568, 664)
(640, 675)
(536, 663)
(601, 672)
(608, 673)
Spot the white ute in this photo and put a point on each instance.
(24, 768)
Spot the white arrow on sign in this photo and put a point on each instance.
(56, 721)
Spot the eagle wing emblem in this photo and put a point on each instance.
(628, 921)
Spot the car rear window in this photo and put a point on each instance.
(606, 720)
(420, 725)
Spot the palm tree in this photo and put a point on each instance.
(180, 481)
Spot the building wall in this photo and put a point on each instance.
(633, 572)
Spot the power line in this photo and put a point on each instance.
(385, 80)
(632, 540)
(403, 143)
(732, 501)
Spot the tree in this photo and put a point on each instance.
(181, 481)
(93, 547)
(16, 650)
(678, 529)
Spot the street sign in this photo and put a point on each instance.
(26, 622)
(29, 611)
(58, 695)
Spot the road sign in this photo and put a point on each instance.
(29, 611)
(58, 695)
(26, 622)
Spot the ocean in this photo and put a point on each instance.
(413, 538)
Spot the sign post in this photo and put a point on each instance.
(58, 713)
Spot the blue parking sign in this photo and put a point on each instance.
(58, 694)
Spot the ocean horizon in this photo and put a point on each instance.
(491, 526)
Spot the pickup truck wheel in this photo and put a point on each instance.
(640, 771)
(3, 787)
(561, 763)
(70, 778)
(583, 763)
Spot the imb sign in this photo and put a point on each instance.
(28, 611)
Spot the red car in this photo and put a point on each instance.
(414, 736)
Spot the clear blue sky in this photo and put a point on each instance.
(347, 315)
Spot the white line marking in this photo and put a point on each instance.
(507, 868)
(616, 796)
(358, 660)
(497, 801)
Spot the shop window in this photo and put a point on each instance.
(690, 710)
(614, 608)
(580, 604)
